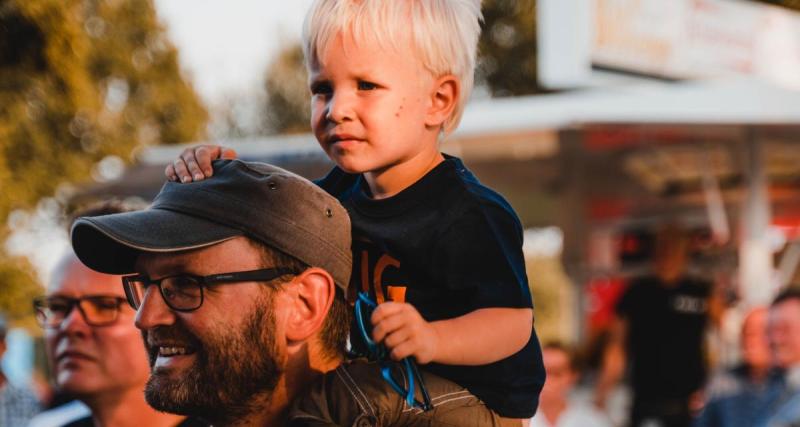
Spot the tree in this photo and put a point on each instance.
(507, 48)
(81, 80)
(790, 4)
(287, 105)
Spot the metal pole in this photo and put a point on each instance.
(756, 271)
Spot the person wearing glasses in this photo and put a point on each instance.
(239, 287)
(96, 353)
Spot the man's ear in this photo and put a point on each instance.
(312, 296)
(445, 94)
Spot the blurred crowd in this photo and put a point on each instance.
(657, 342)
(654, 357)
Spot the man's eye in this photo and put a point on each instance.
(59, 307)
(362, 85)
(183, 282)
(321, 88)
(105, 303)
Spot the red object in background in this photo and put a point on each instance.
(789, 225)
(602, 295)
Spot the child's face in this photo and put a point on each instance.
(369, 105)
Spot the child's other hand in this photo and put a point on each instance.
(194, 163)
(404, 332)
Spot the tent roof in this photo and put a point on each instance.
(727, 101)
(710, 102)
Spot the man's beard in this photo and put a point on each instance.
(230, 369)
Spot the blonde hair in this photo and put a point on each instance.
(443, 33)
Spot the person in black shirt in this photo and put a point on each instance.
(659, 327)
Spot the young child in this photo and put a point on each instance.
(440, 251)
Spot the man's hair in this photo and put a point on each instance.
(336, 326)
(573, 360)
(792, 293)
(443, 34)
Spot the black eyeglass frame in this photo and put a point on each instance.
(41, 303)
(260, 275)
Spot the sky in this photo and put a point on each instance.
(225, 46)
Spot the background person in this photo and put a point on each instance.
(17, 404)
(96, 353)
(556, 407)
(747, 394)
(660, 327)
(784, 336)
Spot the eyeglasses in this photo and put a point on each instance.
(97, 310)
(377, 352)
(184, 292)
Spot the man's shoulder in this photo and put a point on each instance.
(81, 422)
(57, 416)
(20, 397)
(788, 412)
(725, 383)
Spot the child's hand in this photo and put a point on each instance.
(404, 332)
(194, 163)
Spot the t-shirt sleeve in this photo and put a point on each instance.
(480, 255)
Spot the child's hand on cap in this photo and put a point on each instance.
(404, 332)
(194, 163)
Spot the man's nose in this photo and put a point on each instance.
(74, 323)
(153, 311)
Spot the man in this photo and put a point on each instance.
(239, 288)
(784, 334)
(555, 407)
(747, 394)
(660, 325)
(17, 404)
(96, 353)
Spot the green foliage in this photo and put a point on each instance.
(791, 4)
(81, 80)
(19, 287)
(287, 107)
(507, 48)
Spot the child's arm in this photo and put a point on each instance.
(194, 163)
(477, 338)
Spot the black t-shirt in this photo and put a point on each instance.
(449, 246)
(666, 326)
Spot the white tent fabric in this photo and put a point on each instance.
(727, 101)
(730, 101)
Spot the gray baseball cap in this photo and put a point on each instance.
(257, 200)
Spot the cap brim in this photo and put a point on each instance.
(111, 243)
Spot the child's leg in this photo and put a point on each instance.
(355, 394)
